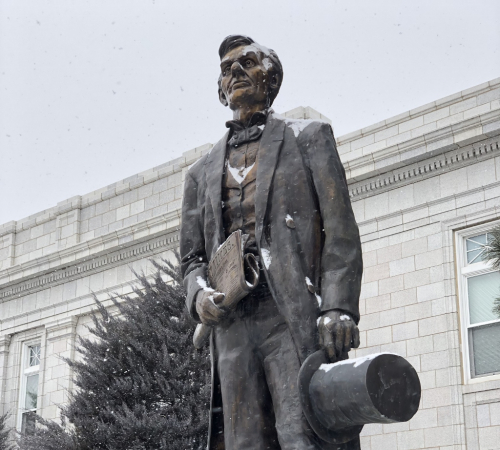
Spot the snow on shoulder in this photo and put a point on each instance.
(298, 125)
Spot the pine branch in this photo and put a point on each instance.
(492, 250)
(4, 433)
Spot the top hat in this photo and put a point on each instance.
(339, 398)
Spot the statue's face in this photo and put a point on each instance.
(245, 79)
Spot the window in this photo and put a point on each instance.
(479, 289)
(29, 387)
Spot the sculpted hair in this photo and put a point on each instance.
(275, 70)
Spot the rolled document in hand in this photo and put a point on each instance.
(234, 274)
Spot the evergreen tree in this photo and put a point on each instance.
(493, 252)
(141, 384)
(51, 436)
(4, 433)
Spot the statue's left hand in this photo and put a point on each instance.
(337, 334)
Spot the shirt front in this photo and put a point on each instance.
(239, 179)
(238, 192)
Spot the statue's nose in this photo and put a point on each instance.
(236, 68)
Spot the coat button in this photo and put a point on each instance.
(289, 221)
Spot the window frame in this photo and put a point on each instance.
(464, 272)
(27, 370)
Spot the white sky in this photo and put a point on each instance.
(94, 91)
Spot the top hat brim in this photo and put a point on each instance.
(307, 371)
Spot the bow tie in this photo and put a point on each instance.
(242, 135)
(246, 135)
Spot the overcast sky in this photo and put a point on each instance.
(92, 92)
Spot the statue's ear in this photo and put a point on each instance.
(274, 83)
(274, 88)
(222, 98)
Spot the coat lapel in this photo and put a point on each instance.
(269, 151)
(214, 168)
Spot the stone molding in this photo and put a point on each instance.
(61, 329)
(418, 171)
(92, 247)
(4, 353)
(385, 217)
(109, 258)
(5, 343)
(84, 308)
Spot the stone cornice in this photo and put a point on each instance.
(419, 148)
(449, 160)
(421, 110)
(119, 255)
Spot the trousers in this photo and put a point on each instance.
(258, 367)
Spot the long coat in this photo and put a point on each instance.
(305, 229)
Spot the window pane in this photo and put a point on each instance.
(486, 349)
(31, 392)
(476, 246)
(28, 423)
(35, 351)
(473, 256)
(476, 242)
(483, 290)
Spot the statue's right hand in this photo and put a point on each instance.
(207, 309)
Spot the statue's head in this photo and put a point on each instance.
(250, 73)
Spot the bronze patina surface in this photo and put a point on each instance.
(281, 182)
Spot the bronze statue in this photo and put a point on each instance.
(280, 182)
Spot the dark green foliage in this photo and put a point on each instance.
(492, 252)
(50, 436)
(141, 384)
(4, 433)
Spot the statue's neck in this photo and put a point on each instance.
(245, 114)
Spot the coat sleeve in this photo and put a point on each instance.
(341, 259)
(192, 243)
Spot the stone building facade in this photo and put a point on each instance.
(425, 188)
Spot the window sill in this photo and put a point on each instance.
(482, 384)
